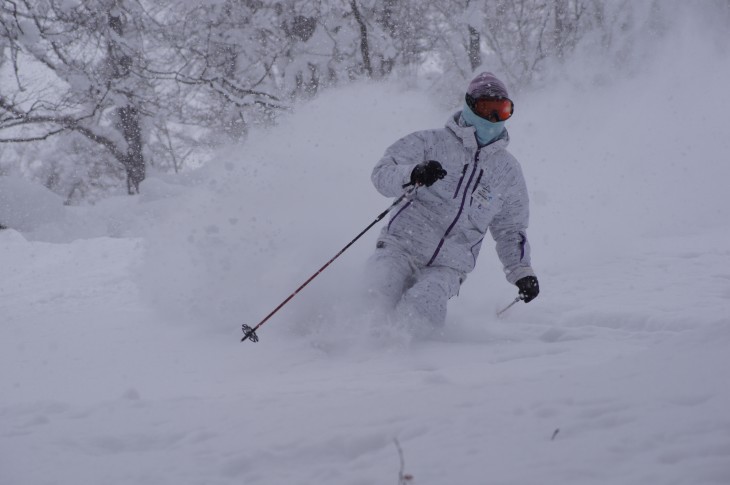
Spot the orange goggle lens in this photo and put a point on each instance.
(492, 109)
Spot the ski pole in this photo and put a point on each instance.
(499, 313)
(250, 333)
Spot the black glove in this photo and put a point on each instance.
(426, 173)
(529, 288)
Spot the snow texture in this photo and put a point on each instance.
(120, 323)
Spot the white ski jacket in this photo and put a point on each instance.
(444, 224)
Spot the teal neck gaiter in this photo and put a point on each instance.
(486, 130)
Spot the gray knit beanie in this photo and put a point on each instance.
(487, 84)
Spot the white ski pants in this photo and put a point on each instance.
(414, 296)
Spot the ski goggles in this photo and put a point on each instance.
(492, 109)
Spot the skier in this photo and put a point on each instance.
(465, 184)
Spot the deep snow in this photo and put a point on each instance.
(120, 323)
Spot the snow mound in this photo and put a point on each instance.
(26, 206)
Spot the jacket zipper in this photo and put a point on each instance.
(458, 214)
(476, 184)
(405, 206)
(458, 186)
(471, 249)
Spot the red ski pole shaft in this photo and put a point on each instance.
(251, 332)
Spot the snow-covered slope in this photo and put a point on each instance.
(611, 385)
(120, 361)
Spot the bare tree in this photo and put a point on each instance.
(159, 83)
(137, 78)
(86, 61)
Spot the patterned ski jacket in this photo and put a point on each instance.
(445, 224)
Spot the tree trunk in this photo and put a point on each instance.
(364, 46)
(475, 51)
(134, 162)
(560, 33)
(128, 116)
